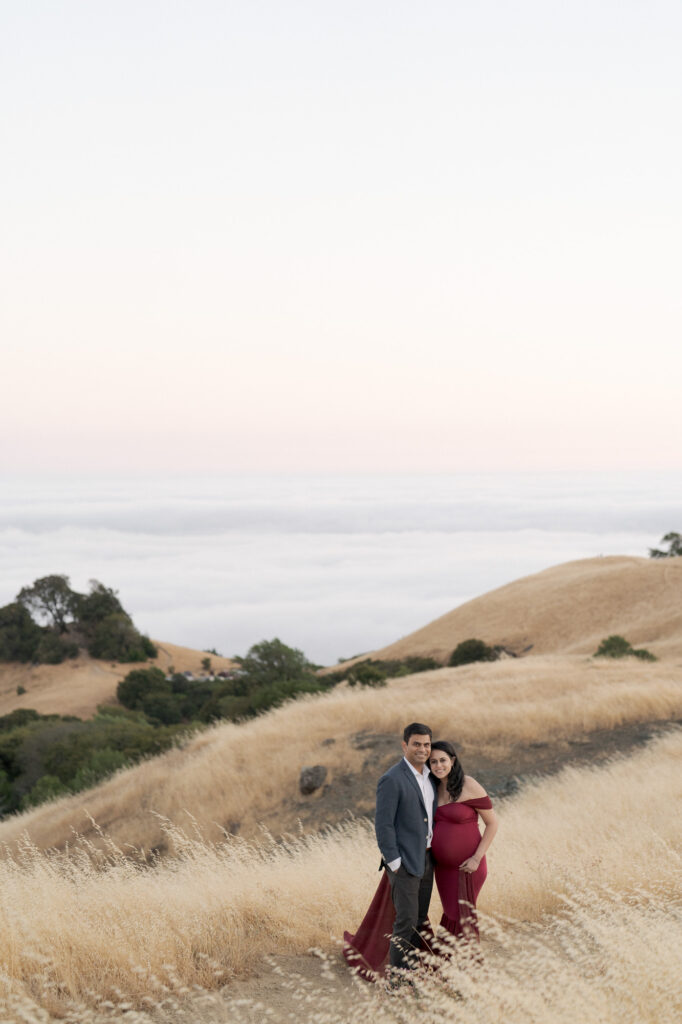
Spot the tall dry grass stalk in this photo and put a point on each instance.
(603, 960)
(70, 932)
(249, 773)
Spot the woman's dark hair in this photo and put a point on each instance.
(455, 780)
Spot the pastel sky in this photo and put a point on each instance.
(299, 235)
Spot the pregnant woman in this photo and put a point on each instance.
(458, 847)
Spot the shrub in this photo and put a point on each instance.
(48, 787)
(469, 651)
(99, 765)
(18, 717)
(20, 690)
(367, 674)
(43, 756)
(393, 668)
(618, 647)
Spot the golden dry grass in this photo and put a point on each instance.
(567, 609)
(578, 857)
(249, 773)
(78, 685)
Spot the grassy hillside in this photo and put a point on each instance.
(79, 684)
(235, 776)
(586, 858)
(567, 609)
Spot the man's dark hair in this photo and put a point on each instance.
(416, 729)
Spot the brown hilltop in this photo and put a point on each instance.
(79, 684)
(567, 609)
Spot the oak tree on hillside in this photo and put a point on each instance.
(674, 542)
(50, 598)
(271, 661)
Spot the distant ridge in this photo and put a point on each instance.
(567, 609)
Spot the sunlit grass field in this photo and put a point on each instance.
(485, 707)
(581, 909)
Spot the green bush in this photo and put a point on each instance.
(469, 651)
(393, 668)
(99, 765)
(17, 718)
(367, 674)
(618, 647)
(48, 787)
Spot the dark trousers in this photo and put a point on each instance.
(411, 896)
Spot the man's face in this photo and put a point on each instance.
(417, 749)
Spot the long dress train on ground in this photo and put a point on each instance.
(455, 838)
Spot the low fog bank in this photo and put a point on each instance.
(335, 566)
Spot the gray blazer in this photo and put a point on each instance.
(401, 822)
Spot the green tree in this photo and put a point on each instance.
(469, 651)
(48, 787)
(271, 661)
(98, 766)
(97, 605)
(674, 542)
(138, 684)
(52, 598)
(115, 638)
(19, 634)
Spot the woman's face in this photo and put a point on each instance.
(440, 764)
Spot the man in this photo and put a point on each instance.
(406, 799)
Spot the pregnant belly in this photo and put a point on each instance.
(453, 843)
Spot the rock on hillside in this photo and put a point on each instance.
(79, 684)
(567, 609)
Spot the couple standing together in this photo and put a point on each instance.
(426, 825)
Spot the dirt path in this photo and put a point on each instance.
(285, 984)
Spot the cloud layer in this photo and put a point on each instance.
(335, 566)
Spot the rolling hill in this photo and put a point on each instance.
(79, 684)
(554, 706)
(567, 609)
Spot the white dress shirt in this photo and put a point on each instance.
(424, 784)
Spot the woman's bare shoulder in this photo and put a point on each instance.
(472, 788)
